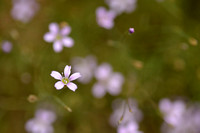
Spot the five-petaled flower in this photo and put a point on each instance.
(59, 36)
(66, 79)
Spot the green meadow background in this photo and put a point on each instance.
(160, 60)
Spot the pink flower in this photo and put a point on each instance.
(105, 18)
(42, 123)
(6, 46)
(59, 37)
(173, 111)
(108, 81)
(120, 6)
(85, 66)
(66, 79)
(131, 127)
(24, 10)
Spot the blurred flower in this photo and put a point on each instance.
(85, 66)
(24, 10)
(179, 118)
(125, 111)
(107, 81)
(120, 6)
(105, 18)
(66, 80)
(173, 111)
(131, 30)
(6, 46)
(131, 127)
(59, 36)
(42, 123)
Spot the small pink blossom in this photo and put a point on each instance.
(42, 123)
(172, 111)
(66, 79)
(107, 81)
(59, 36)
(120, 6)
(86, 66)
(131, 127)
(24, 10)
(121, 106)
(6, 46)
(105, 18)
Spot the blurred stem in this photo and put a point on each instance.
(62, 103)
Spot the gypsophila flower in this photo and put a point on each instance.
(66, 79)
(105, 18)
(173, 111)
(120, 6)
(6, 46)
(85, 66)
(108, 81)
(131, 30)
(180, 118)
(131, 127)
(42, 123)
(24, 10)
(129, 108)
(59, 36)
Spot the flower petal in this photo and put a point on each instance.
(57, 46)
(65, 31)
(98, 90)
(67, 71)
(59, 85)
(56, 75)
(68, 42)
(74, 76)
(72, 86)
(49, 37)
(54, 27)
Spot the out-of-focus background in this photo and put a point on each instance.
(159, 60)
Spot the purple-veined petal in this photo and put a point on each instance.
(56, 75)
(68, 42)
(54, 28)
(72, 86)
(67, 71)
(57, 46)
(74, 76)
(59, 85)
(49, 37)
(65, 31)
(98, 90)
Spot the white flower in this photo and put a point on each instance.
(85, 66)
(42, 123)
(108, 81)
(66, 79)
(120, 6)
(59, 36)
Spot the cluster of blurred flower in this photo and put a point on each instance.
(107, 80)
(180, 118)
(105, 18)
(42, 122)
(24, 10)
(126, 116)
